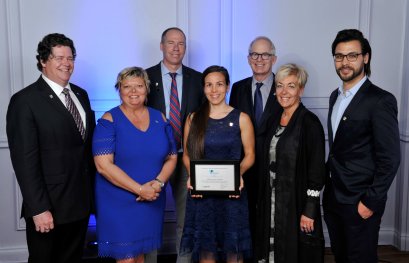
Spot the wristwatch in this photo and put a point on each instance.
(162, 184)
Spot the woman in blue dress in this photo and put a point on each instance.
(217, 229)
(135, 153)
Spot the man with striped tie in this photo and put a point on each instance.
(49, 128)
(176, 90)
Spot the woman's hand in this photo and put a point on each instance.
(147, 192)
(156, 185)
(190, 187)
(240, 188)
(306, 224)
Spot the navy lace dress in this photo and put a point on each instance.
(127, 228)
(217, 228)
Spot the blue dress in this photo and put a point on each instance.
(218, 227)
(127, 228)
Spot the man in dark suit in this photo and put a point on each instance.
(50, 150)
(256, 97)
(364, 152)
(190, 96)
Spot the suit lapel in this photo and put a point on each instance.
(249, 99)
(356, 100)
(53, 99)
(156, 97)
(49, 95)
(271, 101)
(86, 108)
(332, 100)
(185, 92)
(352, 107)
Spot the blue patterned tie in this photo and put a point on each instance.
(174, 111)
(258, 103)
(69, 103)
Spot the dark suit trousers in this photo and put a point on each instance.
(63, 244)
(353, 239)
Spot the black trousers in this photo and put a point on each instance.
(353, 239)
(63, 244)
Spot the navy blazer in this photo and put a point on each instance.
(241, 98)
(364, 154)
(53, 164)
(192, 94)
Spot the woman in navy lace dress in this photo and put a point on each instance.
(135, 153)
(217, 228)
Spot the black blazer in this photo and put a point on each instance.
(364, 154)
(192, 94)
(52, 163)
(241, 98)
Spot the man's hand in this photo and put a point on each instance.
(364, 211)
(44, 222)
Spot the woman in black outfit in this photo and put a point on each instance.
(289, 227)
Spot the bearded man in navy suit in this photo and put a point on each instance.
(52, 157)
(364, 152)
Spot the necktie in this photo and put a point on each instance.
(74, 112)
(174, 111)
(258, 103)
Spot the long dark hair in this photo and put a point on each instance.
(198, 126)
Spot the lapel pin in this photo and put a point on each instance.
(51, 96)
(344, 118)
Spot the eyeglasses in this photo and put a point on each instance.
(264, 56)
(351, 57)
(60, 59)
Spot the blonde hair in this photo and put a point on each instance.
(292, 69)
(136, 72)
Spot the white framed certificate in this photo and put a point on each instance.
(215, 177)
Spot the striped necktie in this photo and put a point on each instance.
(174, 111)
(74, 112)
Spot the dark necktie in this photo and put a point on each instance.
(74, 112)
(258, 103)
(174, 111)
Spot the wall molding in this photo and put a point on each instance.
(20, 223)
(182, 21)
(14, 63)
(4, 142)
(14, 254)
(15, 58)
(226, 25)
(365, 15)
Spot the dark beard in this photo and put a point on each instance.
(354, 73)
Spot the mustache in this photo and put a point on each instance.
(345, 67)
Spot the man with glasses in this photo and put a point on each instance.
(256, 96)
(364, 152)
(187, 85)
(49, 128)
